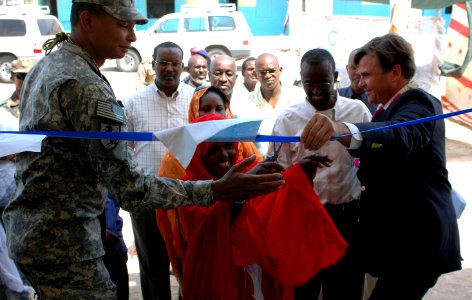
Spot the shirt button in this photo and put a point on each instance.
(363, 188)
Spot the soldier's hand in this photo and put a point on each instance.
(239, 186)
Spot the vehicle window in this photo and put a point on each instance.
(168, 26)
(222, 23)
(48, 26)
(12, 28)
(194, 24)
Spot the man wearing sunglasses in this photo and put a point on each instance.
(269, 99)
(18, 71)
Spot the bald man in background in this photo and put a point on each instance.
(269, 99)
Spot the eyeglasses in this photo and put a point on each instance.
(20, 76)
(264, 72)
(165, 63)
(325, 86)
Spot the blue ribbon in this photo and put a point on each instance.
(411, 122)
(149, 136)
(93, 135)
(278, 138)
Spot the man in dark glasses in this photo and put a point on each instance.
(18, 71)
(269, 98)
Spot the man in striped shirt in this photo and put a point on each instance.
(158, 106)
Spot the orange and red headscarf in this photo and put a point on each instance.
(196, 170)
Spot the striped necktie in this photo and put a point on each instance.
(377, 112)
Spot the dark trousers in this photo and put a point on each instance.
(115, 262)
(402, 286)
(152, 255)
(345, 279)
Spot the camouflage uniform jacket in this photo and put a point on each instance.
(53, 217)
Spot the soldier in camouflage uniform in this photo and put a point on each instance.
(52, 226)
(19, 69)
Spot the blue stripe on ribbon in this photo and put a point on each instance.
(149, 136)
(93, 135)
(278, 139)
(411, 122)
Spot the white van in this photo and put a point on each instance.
(22, 34)
(219, 29)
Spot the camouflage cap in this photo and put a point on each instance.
(21, 65)
(123, 10)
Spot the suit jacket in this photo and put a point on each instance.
(407, 217)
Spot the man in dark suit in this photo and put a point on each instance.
(408, 226)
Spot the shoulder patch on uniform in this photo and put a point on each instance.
(111, 111)
(109, 144)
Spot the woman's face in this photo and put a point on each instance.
(211, 103)
(219, 158)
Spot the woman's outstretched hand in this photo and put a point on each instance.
(311, 162)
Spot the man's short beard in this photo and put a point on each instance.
(198, 80)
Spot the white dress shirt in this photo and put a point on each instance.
(239, 99)
(338, 183)
(258, 107)
(150, 110)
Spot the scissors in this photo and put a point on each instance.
(276, 153)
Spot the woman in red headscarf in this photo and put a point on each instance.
(262, 247)
(205, 101)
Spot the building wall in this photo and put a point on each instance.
(360, 8)
(63, 13)
(267, 17)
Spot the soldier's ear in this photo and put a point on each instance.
(86, 20)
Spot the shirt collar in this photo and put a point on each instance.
(174, 95)
(408, 86)
(330, 113)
